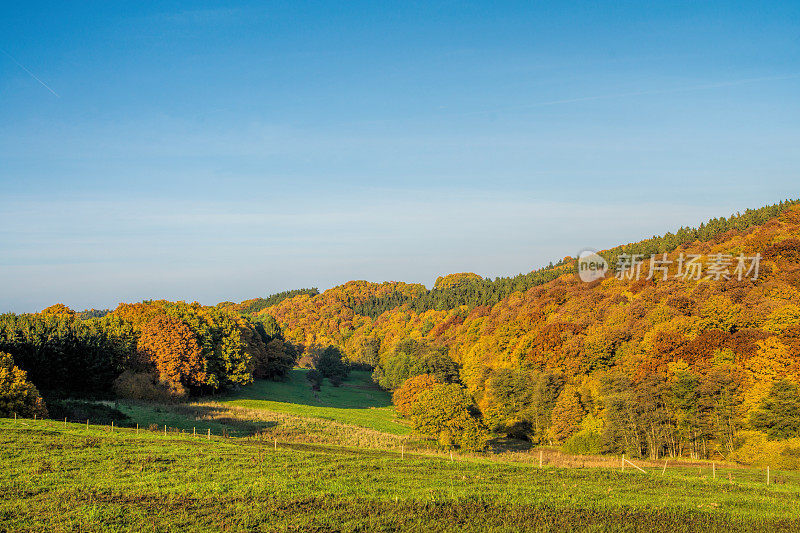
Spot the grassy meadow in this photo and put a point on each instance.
(358, 413)
(358, 401)
(282, 457)
(59, 477)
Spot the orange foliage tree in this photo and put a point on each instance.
(172, 348)
(404, 397)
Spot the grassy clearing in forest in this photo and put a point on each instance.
(56, 478)
(359, 413)
(358, 401)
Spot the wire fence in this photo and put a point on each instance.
(542, 458)
(131, 428)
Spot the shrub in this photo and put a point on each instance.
(77, 410)
(146, 386)
(755, 448)
(17, 394)
(587, 441)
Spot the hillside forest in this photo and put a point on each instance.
(662, 365)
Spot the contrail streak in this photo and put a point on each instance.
(32, 75)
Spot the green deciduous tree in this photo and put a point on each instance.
(448, 413)
(778, 414)
(411, 358)
(329, 363)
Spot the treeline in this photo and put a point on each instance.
(681, 413)
(250, 307)
(476, 291)
(61, 352)
(469, 292)
(151, 350)
(92, 313)
(707, 231)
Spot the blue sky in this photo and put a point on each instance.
(222, 151)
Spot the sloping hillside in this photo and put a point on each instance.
(614, 345)
(333, 317)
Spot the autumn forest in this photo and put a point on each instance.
(659, 366)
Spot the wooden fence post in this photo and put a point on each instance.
(194, 432)
(275, 444)
(767, 475)
(665, 467)
(137, 428)
(165, 430)
(208, 437)
(714, 470)
(637, 468)
(87, 423)
(112, 426)
(540, 458)
(65, 421)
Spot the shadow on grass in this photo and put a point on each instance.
(358, 391)
(505, 444)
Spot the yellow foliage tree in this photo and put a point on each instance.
(771, 363)
(17, 394)
(567, 414)
(58, 309)
(783, 318)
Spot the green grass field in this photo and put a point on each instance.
(337, 467)
(358, 413)
(358, 402)
(57, 478)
